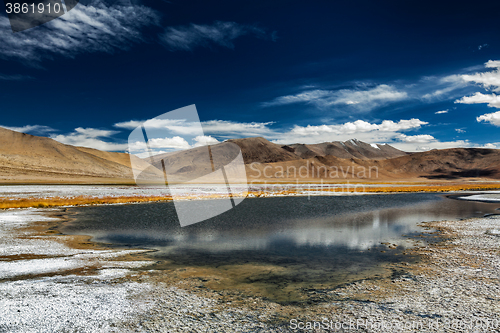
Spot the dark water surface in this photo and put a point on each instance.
(281, 245)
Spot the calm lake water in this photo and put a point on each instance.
(323, 240)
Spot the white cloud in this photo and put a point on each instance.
(441, 112)
(424, 142)
(492, 64)
(229, 129)
(421, 138)
(169, 143)
(176, 126)
(489, 80)
(492, 100)
(35, 129)
(387, 131)
(86, 28)
(94, 133)
(166, 144)
(204, 140)
(90, 138)
(383, 132)
(222, 128)
(459, 130)
(433, 145)
(492, 118)
(391, 126)
(131, 124)
(356, 128)
(361, 99)
(189, 37)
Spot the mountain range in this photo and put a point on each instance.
(26, 158)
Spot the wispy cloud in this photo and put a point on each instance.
(187, 38)
(365, 96)
(228, 129)
(15, 77)
(87, 28)
(91, 138)
(361, 98)
(222, 128)
(438, 88)
(441, 112)
(34, 129)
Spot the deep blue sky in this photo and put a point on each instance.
(267, 68)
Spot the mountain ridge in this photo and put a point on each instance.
(26, 158)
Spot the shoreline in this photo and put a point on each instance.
(205, 192)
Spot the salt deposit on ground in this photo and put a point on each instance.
(105, 191)
(491, 196)
(18, 242)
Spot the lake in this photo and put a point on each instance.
(279, 246)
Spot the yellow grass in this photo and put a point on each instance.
(75, 201)
(426, 188)
(359, 188)
(6, 203)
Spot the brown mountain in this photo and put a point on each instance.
(27, 158)
(451, 163)
(262, 151)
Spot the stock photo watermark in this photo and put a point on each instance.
(476, 324)
(27, 14)
(310, 179)
(311, 171)
(220, 166)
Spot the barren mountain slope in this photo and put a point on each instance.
(41, 157)
(447, 163)
(263, 151)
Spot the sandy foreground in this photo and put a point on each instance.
(56, 283)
